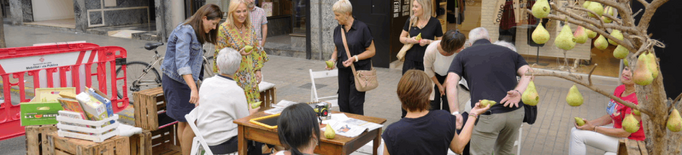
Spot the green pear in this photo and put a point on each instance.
(540, 35)
(329, 133)
(541, 9)
(255, 105)
(674, 121)
(620, 52)
(248, 48)
(590, 34)
(586, 4)
(616, 34)
(329, 63)
(579, 121)
(625, 61)
(636, 112)
(580, 35)
(419, 37)
(642, 75)
(608, 10)
(652, 65)
(565, 40)
(574, 98)
(485, 102)
(597, 8)
(601, 43)
(530, 96)
(630, 124)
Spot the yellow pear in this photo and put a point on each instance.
(674, 121)
(590, 34)
(419, 37)
(574, 98)
(642, 75)
(485, 102)
(652, 65)
(616, 34)
(586, 4)
(620, 52)
(329, 133)
(630, 124)
(625, 61)
(255, 105)
(541, 9)
(540, 35)
(597, 8)
(636, 112)
(608, 10)
(565, 40)
(580, 35)
(530, 96)
(601, 43)
(579, 121)
(248, 48)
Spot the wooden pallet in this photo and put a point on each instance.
(139, 143)
(147, 104)
(631, 147)
(164, 140)
(36, 138)
(116, 145)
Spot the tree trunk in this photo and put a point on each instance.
(652, 97)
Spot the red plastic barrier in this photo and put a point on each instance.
(71, 62)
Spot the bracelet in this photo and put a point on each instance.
(518, 92)
(356, 58)
(474, 115)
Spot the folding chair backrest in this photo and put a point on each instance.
(318, 75)
(191, 117)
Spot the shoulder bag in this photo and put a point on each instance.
(365, 80)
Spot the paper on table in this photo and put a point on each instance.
(348, 130)
(274, 110)
(284, 103)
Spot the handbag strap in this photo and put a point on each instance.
(345, 45)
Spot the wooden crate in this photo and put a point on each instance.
(165, 141)
(140, 144)
(116, 145)
(269, 97)
(36, 138)
(631, 147)
(147, 104)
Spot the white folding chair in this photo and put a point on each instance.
(198, 143)
(313, 90)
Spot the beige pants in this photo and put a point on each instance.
(496, 133)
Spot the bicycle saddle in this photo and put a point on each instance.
(151, 46)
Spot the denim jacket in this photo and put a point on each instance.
(184, 54)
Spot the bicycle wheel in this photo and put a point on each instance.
(208, 67)
(136, 70)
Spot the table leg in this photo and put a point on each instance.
(377, 142)
(241, 141)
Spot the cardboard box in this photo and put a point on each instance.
(39, 113)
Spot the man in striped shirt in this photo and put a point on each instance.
(259, 21)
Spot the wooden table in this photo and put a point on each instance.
(339, 145)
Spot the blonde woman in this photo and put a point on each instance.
(422, 23)
(237, 33)
(361, 47)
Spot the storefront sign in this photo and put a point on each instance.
(499, 9)
(396, 9)
(267, 6)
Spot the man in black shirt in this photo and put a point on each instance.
(490, 71)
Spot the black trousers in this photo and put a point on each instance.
(439, 101)
(350, 100)
(407, 65)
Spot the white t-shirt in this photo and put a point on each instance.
(221, 101)
(434, 62)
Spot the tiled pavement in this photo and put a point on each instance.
(549, 134)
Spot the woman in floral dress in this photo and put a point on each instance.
(236, 32)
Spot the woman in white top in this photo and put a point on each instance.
(437, 60)
(298, 130)
(222, 101)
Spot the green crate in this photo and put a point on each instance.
(39, 113)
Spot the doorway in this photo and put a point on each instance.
(53, 13)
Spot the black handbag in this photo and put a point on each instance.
(531, 114)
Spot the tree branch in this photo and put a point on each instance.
(595, 29)
(631, 29)
(625, 12)
(607, 94)
(648, 13)
(589, 77)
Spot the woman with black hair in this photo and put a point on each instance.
(299, 131)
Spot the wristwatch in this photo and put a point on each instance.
(455, 113)
(356, 58)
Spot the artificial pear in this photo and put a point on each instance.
(419, 37)
(541, 9)
(574, 98)
(616, 34)
(248, 48)
(601, 43)
(540, 35)
(630, 124)
(530, 96)
(642, 74)
(636, 112)
(590, 34)
(255, 105)
(565, 40)
(586, 4)
(329, 132)
(620, 52)
(485, 102)
(597, 8)
(580, 35)
(651, 63)
(609, 11)
(579, 121)
(674, 121)
(625, 61)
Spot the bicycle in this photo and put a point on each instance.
(148, 75)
